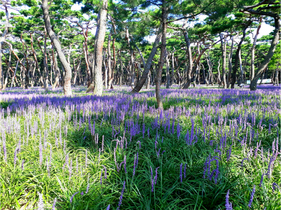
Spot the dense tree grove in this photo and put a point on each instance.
(45, 43)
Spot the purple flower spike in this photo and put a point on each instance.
(121, 196)
(108, 207)
(73, 196)
(181, 172)
(261, 179)
(252, 197)
(228, 205)
(274, 186)
(54, 204)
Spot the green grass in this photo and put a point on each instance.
(19, 187)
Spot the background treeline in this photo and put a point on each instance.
(223, 49)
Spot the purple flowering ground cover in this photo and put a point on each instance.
(208, 149)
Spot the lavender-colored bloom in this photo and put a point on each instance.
(153, 180)
(181, 172)
(82, 193)
(108, 207)
(252, 197)
(102, 143)
(73, 196)
(40, 202)
(243, 161)
(135, 163)
(274, 186)
(121, 196)
(228, 205)
(105, 172)
(138, 142)
(40, 154)
(125, 164)
(22, 164)
(229, 153)
(54, 204)
(178, 131)
(15, 156)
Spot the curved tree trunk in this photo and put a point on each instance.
(190, 61)
(230, 63)
(238, 53)
(55, 40)
(162, 56)
(147, 66)
(223, 50)
(97, 84)
(1, 42)
(263, 65)
(253, 52)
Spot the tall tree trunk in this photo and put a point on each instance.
(14, 75)
(162, 56)
(76, 69)
(110, 78)
(253, 51)
(241, 67)
(219, 73)
(1, 71)
(121, 72)
(148, 64)
(105, 70)
(167, 71)
(34, 55)
(56, 70)
(189, 57)
(8, 63)
(210, 71)
(45, 61)
(172, 67)
(238, 51)
(230, 63)
(97, 84)
(1, 42)
(223, 50)
(55, 40)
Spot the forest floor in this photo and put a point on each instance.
(210, 148)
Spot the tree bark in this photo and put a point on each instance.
(162, 56)
(172, 67)
(223, 50)
(55, 40)
(110, 78)
(97, 84)
(2, 39)
(168, 77)
(45, 61)
(190, 61)
(148, 64)
(253, 52)
(230, 63)
(238, 51)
